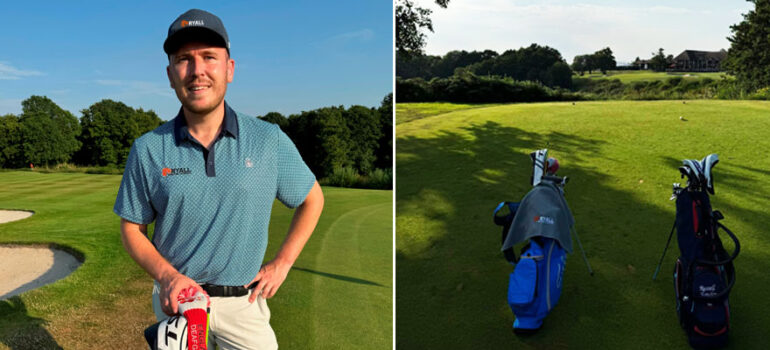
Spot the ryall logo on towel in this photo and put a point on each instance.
(176, 171)
(544, 220)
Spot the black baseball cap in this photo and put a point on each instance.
(196, 25)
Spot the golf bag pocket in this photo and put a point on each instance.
(521, 285)
(703, 305)
(535, 284)
(709, 309)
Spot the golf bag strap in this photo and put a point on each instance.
(735, 251)
(727, 263)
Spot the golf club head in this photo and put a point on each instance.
(538, 165)
(707, 164)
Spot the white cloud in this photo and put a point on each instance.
(357, 36)
(365, 34)
(9, 72)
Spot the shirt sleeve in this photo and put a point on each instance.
(133, 201)
(294, 177)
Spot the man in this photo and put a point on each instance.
(208, 178)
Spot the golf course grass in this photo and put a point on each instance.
(338, 295)
(629, 76)
(621, 158)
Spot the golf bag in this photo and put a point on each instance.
(544, 220)
(704, 273)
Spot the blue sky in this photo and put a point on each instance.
(575, 27)
(290, 56)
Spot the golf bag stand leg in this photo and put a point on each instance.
(657, 269)
(590, 271)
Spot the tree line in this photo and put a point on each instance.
(356, 141)
(45, 134)
(535, 63)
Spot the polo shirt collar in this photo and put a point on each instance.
(229, 125)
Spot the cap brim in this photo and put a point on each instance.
(193, 34)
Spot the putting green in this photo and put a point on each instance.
(622, 158)
(338, 295)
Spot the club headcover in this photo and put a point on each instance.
(188, 331)
(694, 172)
(708, 163)
(539, 158)
(169, 334)
(194, 306)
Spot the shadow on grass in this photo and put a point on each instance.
(31, 335)
(338, 277)
(452, 279)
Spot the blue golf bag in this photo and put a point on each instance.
(543, 220)
(704, 273)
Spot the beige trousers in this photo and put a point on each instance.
(234, 323)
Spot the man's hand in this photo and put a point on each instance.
(170, 286)
(269, 279)
(271, 275)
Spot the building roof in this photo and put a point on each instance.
(694, 55)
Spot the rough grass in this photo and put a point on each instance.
(622, 158)
(339, 295)
(645, 75)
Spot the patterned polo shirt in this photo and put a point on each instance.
(212, 207)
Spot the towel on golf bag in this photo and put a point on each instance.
(704, 272)
(535, 284)
(543, 212)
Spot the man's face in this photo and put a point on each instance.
(199, 73)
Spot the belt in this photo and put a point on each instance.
(215, 290)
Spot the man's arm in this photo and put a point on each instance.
(140, 249)
(272, 274)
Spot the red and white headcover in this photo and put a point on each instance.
(194, 306)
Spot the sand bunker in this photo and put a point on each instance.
(25, 268)
(13, 215)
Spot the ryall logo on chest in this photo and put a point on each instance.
(176, 171)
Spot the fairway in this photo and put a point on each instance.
(338, 295)
(621, 158)
(629, 76)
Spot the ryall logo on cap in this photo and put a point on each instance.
(188, 27)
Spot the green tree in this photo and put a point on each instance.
(659, 62)
(749, 55)
(146, 120)
(10, 141)
(384, 152)
(365, 131)
(532, 63)
(49, 133)
(276, 118)
(604, 60)
(322, 138)
(410, 21)
(580, 64)
(108, 130)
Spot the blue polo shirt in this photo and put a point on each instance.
(212, 207)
